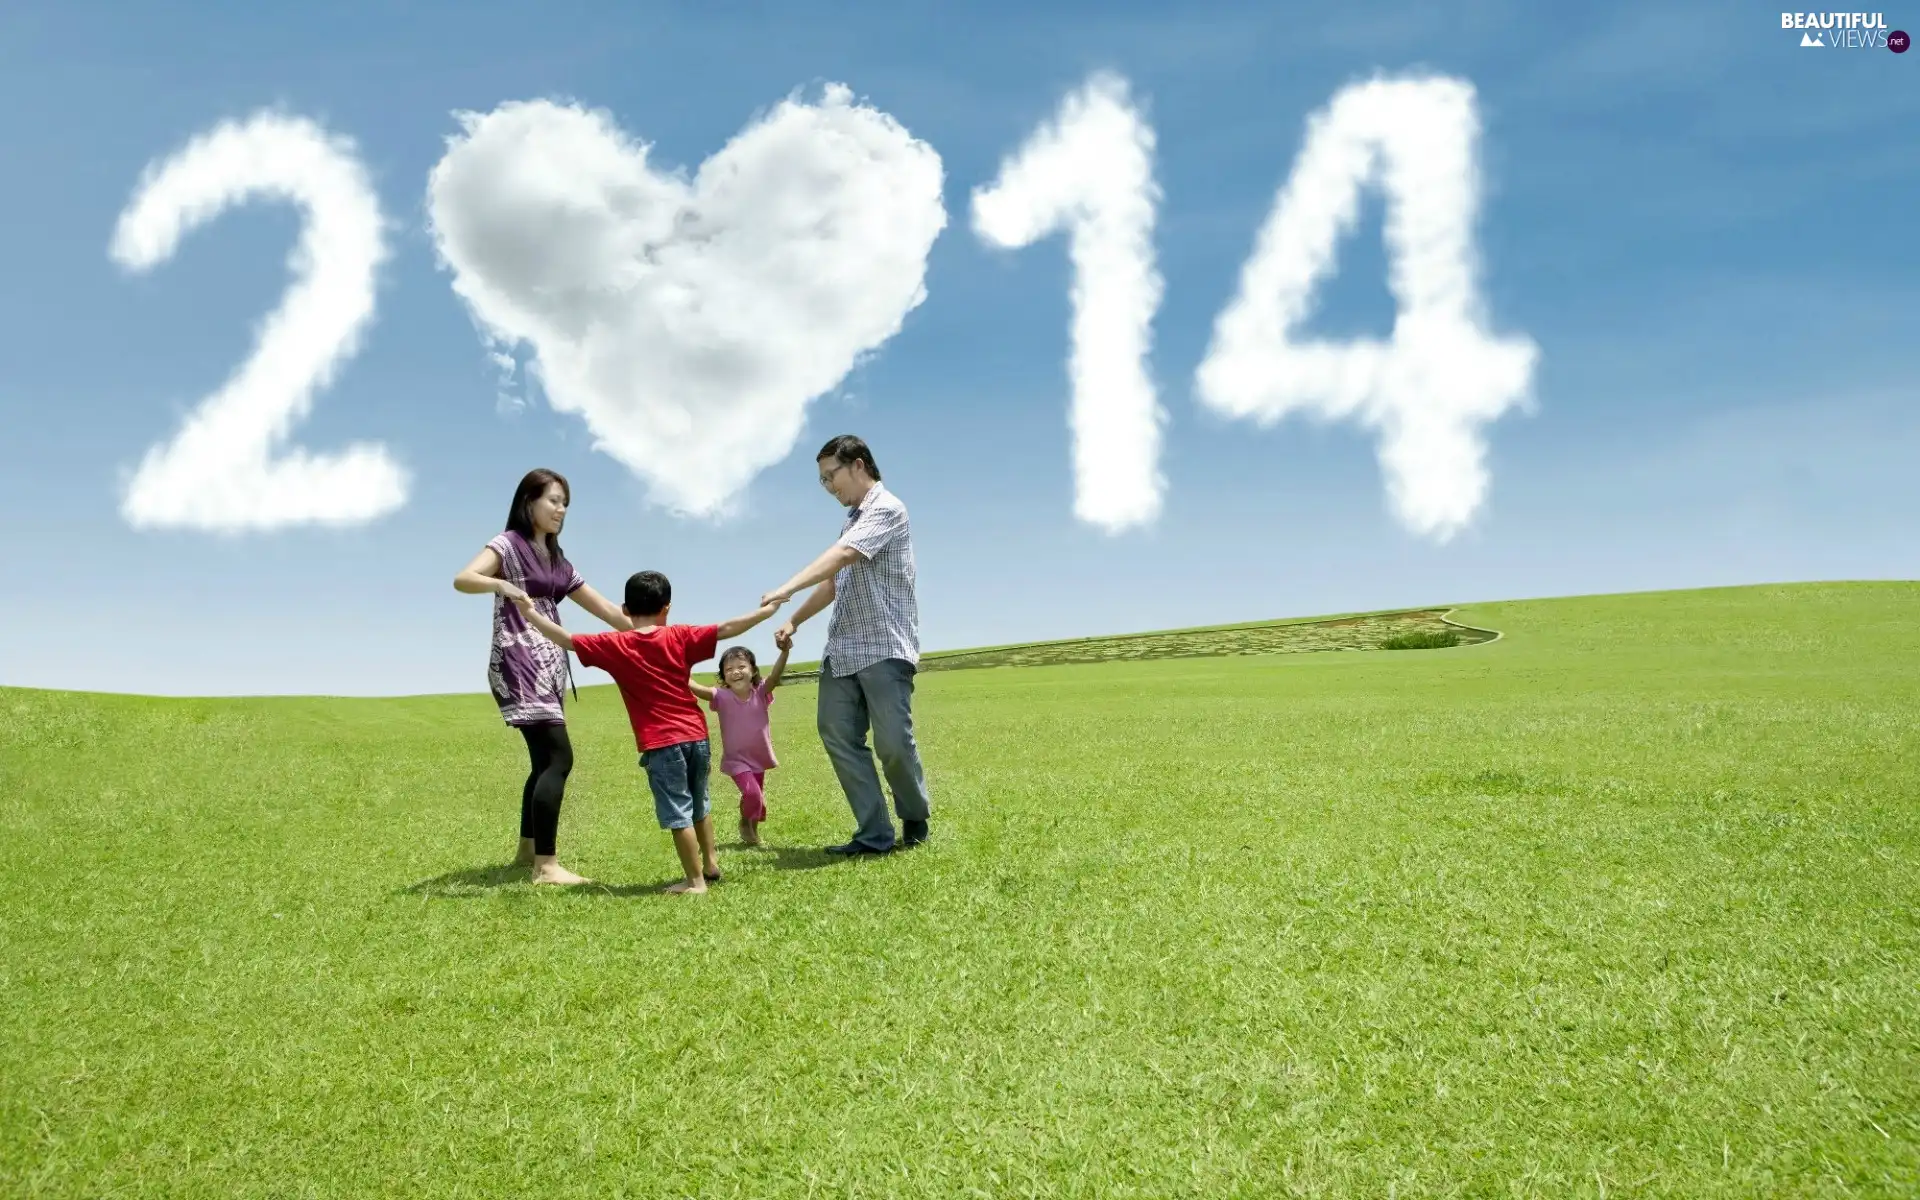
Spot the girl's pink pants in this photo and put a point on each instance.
(753, 800)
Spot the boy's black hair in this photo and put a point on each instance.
(849, 449)
(739, 652)
(647, 593)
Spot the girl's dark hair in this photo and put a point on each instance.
(520, 516)
(734, 652)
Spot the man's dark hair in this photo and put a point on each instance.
(647, 593)
(849, 449)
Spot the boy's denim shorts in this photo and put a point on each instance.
(678, 776)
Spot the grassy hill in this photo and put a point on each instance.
(1621, 901)
(1400, 629)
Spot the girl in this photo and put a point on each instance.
(746, 739)
(526, 671)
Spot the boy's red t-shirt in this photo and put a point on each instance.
(652, 668)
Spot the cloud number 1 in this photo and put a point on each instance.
(228, 469)
(1430, 388)
(1090, 173)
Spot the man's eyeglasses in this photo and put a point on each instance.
(826, 481)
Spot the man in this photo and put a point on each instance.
(873, 649)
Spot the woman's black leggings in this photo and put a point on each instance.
(552, 756)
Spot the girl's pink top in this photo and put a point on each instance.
(746, 735)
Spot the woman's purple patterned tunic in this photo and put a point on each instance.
(527, 672)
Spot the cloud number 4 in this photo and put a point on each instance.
(1430, 389)
(228, 468)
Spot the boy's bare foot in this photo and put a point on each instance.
(546, 870)
(525, 857)
(688, 887)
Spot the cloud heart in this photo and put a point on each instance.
(689, 322)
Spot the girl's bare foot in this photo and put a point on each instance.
(546, 870)
(688, 887)
(749, 833)
(525, 857)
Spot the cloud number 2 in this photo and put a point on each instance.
(229, 469)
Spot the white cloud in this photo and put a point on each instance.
(689, 322)
(1090, 172)
(1442, 377)
(229, 469)
(508, 400)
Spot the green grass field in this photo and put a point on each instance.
(1624, 903)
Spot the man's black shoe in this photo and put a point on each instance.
(855, 849)
(916, 833)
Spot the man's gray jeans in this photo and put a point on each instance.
(880, 696)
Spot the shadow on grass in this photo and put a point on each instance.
(478, 881)
(617, 891)
(801, 858)
(475, 882)
(784, 858)
(471, 882)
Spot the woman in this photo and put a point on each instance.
(527, 672)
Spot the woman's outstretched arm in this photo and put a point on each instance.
(482, 575)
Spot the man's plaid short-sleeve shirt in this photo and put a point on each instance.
(875, 614)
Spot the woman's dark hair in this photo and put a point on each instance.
(734, 652)
(849, 449)
(520, 516)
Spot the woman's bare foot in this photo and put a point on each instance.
(688, 887)
(525, 857)
(548, 870)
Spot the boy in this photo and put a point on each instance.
(651, 663)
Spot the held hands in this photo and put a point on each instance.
(775, 598)
(783, 637)
(511, 593)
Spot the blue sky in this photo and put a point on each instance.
(1705, 228)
